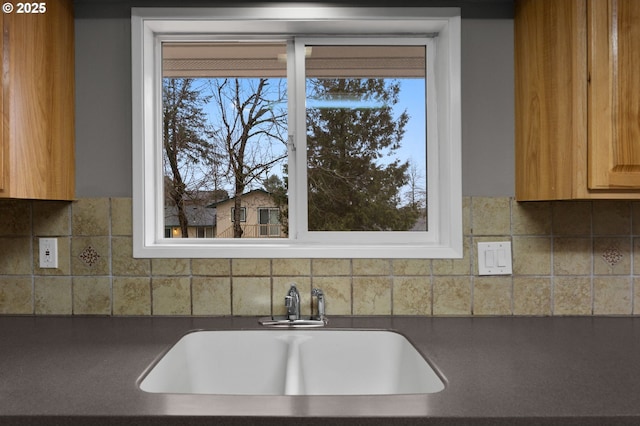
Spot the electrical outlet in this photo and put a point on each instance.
(48, 252)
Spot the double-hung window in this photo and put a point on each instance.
(339, 126)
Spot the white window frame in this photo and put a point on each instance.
(440, 30)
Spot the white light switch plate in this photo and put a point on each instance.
(494, 258)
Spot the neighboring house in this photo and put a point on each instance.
(260, 218)
(202, 221)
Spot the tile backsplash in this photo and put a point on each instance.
(569, 258)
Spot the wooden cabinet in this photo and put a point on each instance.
(37, 100)
(577, 99)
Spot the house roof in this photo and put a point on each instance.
(253, 191)
(197, 215)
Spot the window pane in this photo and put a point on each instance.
(224, 134)
(366, 138)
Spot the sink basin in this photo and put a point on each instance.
(293, 362)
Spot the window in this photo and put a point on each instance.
(339, 128)
(269, 222)
(243, 214)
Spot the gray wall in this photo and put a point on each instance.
(103, 103)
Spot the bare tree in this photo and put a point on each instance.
(250, 128)
(185, 142)
(416, 195)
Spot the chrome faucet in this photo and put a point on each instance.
(292, 303)
(320, 298)
(293, 318)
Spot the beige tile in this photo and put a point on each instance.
(612, 296)
(16, 256)
(15, 216)
(611, 217)
(466, 216)
(371, 266)
(531, 256)
(571, 256)
(281, 286)
(492, 296)
(572, 296)
(211, 267)
(51, 218)
(90, 217)
(411, 296)
(612, 256)
(531, 296)
(337, 291)
(291, 267)
(635, 218)
(251, 267)
(91, 296)
(122, 260)
(211, 295)
(371, 295)
(170, 267)
(16, 295)
(251, 296)
(64, 258)
(53, 295)
(90, 255)
(636, 296)
(131, 296)
(531, 218)
(455, 266)
(121, 216)
(571, 217)
(491, 216)
(452, 295)
(171, 295)
(419, 267)
(330, 267)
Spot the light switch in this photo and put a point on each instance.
(488, 258)
(502, 262)
(494, 258)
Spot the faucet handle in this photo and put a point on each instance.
(288, 301)
(319, 294)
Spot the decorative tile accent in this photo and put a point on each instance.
(612, 255)
(89, 256)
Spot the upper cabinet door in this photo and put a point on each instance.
(37, 96)
(614, 94)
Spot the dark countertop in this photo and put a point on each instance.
(499, 371)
